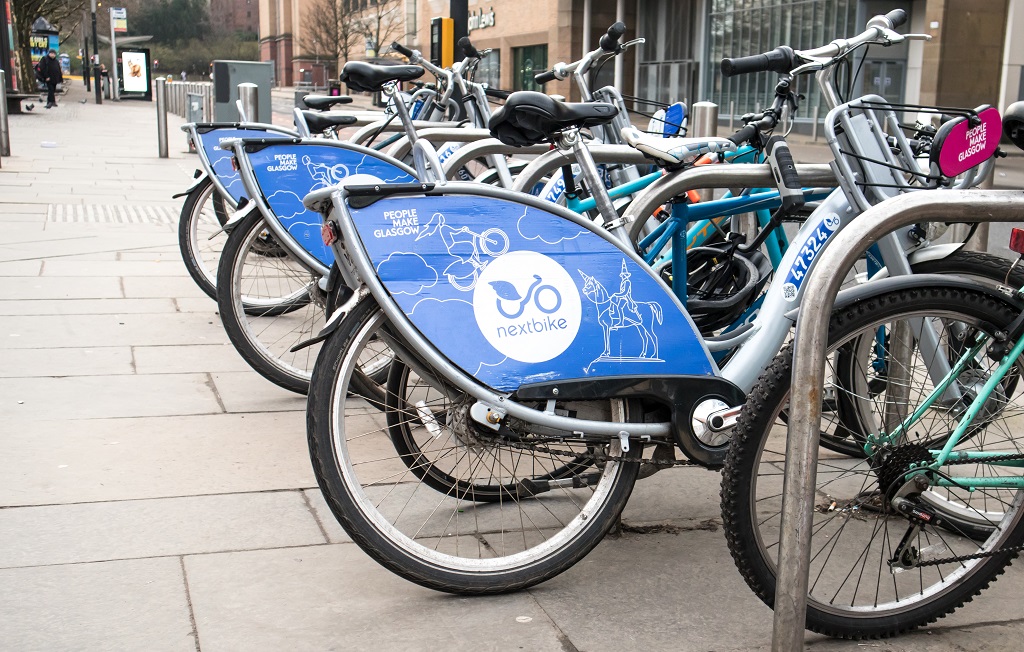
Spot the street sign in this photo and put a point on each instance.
(119, 20)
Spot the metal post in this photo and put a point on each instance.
(115, 92)
(814, 124)
(620, 16)
(732, 114)
(161, 115)
(703, 122)
(5, 128)
(97, 76)
(86, 76)
(809, 373)
(979, 241)
(249, 98)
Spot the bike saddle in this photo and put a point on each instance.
(673, 150)
(324, 102)
(529, 118)
(368, 77)
(1013, 123)
(321, 122)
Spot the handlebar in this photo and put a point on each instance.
(467, 48)
(545, 77)
(785, 60)
(610, 40)
(781, 60)
(402, 50)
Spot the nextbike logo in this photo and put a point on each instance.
(527, 306)
(285, 163)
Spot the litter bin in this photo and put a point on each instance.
(333, 87)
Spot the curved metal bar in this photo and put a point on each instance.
(746, 175)
(402, 146)
(545, 164)
(486, 147)
(823, 284)
(371, 128)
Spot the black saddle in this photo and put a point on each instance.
(369, 77)
(529, 118)
(324, 102)
(318, 123)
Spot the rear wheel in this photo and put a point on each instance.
(860, 587)
(200, 235)
(432, 529)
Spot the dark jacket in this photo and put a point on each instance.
(50, 69)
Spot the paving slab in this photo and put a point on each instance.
(124, 605)
(39, 536)
(98, 397)
(335, 533)
(133, 268)
(188, 358)
(247, 391)
(21, 268)
(52, 462)
(36, 363)
(161, 287)
(18, 307)
(61, 288)
(336, 598)
(129, 329)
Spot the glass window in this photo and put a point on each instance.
(528, 62)
(489, 70)
(668, 65)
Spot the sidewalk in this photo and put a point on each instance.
(156, 494)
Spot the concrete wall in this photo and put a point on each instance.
(961, 65)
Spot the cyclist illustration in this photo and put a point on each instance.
(466, 247)
(508, 292)
(325, 175)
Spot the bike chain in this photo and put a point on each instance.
(600, 457)
(977, 555)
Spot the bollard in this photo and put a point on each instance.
(703, 122)
(161, 115)
(249, 104)
(823, 284)
(814, 124)
(979, 241)
(732, 114)
(5, 128)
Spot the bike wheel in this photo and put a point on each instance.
(269, 303)
(449, 540)
(858, 379)
(200, 237)
(854, 591)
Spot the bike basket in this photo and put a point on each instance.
(875, 159)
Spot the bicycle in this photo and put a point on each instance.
(551, 427)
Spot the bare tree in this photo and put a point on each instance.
(383, 21)
(329, 29)
(64, 15)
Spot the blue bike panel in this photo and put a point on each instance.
(220, 159)
(287, 172)
(514, 294)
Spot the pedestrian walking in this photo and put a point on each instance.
(184, 76)
(51, 73)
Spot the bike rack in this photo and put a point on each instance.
(823, 284)
(545, 164)
(739, 175)
(369, 129)
(486, 147)
(402, 146)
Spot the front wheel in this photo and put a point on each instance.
(859, 587)
(418, 514)
(200, 234)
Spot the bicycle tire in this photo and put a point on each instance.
(200, 215)
(441, 552)
(993, 271)
(268, 304)
(849, 497)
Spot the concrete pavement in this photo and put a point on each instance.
(156, 494)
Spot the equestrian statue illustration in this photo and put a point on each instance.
(620, 311)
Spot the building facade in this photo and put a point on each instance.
(235, 16)
(971, 58)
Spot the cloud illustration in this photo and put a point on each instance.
(547, 229)
(286, 204)
(406, 273)
(451, 325)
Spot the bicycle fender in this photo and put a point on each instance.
(875, 288)
(923, 255)
(201, 177)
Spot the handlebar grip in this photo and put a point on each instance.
(610, 40)
(897, 17)
(467, 48)
(401, 49)
(780, 60)
(780, 159)
(744, 134)
(545, 77)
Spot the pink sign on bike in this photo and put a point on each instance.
(961, 146)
